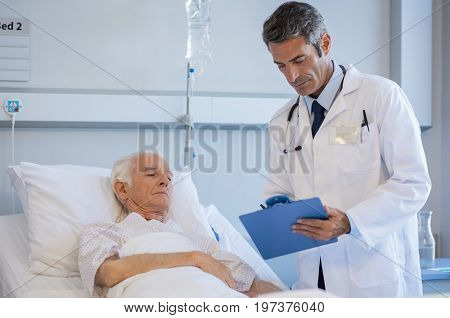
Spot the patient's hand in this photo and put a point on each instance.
(260, 287)
(212, 266)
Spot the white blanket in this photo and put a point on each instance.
(186, 282)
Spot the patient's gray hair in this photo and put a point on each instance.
(292, 20)
(121, 169)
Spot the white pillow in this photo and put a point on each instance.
(96, 171)
(58, 204)
(20, 188)
(185, 207)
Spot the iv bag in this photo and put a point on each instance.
(198, 43)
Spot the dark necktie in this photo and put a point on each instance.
(319, 116)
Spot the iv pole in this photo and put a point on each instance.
(197, 50)
(187, 118)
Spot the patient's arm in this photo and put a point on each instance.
(115, 270)
(242, 274)
(216, 268)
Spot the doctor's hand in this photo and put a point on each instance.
(336, 225)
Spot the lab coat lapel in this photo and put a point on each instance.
(338, 107)
(304, 137)
(305, 118)
(351, 83)
(303, 160)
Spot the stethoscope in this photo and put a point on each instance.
(291, 114)
(288, 128)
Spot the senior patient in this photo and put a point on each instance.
(141, 183)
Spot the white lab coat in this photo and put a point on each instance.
(380, 183)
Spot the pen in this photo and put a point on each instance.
(262, 206)
(366, 122)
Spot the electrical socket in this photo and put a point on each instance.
(13, 106)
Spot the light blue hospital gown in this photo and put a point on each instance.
(100, 241)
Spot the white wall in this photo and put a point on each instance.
(143, 43)
(104, 49)
(411, 53)
(433, 138)
(445, 172)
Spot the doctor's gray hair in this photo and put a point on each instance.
(292, 20)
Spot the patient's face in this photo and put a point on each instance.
(149, 194)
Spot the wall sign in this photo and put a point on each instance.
(15, 42)
(14, 26)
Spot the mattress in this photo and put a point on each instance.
(15, 278)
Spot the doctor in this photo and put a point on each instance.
(352, 140)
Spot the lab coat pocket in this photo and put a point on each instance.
(374, 266)
(362, 155)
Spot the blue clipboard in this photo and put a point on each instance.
(270, 229)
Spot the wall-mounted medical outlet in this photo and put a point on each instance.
(13, 106)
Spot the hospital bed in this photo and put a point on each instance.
(16, 279)
(23, 261)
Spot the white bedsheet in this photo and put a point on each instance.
(179, 282)
(15, 278)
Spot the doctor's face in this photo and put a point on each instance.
(300, 63)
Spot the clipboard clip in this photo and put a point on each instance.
(278, 199)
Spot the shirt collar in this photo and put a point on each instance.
(136, 217)
(326, 97)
